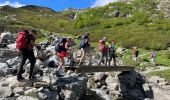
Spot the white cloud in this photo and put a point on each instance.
(98, 3)
(12, 4)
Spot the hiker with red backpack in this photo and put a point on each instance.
(103, 49)
(25, 42)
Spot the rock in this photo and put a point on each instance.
(130, 85)
(99, 77)
(160, 94)
(13, 61)
(42, 96)
(41, 84)
(156, 79)
(120, 50)
(39, 62)
(5, 92)
(70, 95)
(12, 81)
(45, 94)
(33, 90)
(3, 69)
(46, 79)
(26, 98)
(75, 84)
(8, 53)
(113, 86)
(18, 90)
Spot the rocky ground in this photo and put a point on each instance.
(130, 85)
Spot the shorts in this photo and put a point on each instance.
(85, 50)
(62, 54)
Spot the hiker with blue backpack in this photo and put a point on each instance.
(112, 54)
(85, 48)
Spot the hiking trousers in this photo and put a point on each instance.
(26, 54)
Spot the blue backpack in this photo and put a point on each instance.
(84, 41)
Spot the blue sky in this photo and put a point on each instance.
(57, 4)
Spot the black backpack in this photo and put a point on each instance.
(59, 47)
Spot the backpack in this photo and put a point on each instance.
(101, 45)
(59, 47)
(21, 41)
(112, 48)
(84, 41)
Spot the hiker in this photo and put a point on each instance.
(135, 53)
(85, 48)
(25, 42)
(62, 50)
(5, 37)
(103, 49)
(51, 38)
(112, 54)
(153, 57)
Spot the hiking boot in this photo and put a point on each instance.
(19, 78)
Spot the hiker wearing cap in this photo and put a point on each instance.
(85, 47)
(25, 42)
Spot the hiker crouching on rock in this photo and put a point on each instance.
(85, 48)
(62, 50)
(25, 42)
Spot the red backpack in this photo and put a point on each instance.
(100, 46)
(21, 40)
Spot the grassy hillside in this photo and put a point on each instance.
(136, 24)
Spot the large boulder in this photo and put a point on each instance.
(3, 69)
(73, 87)
(26, 98)
(18, 90)
(98, 77)
(5, 92)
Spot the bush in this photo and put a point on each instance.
(107, 26)
(168, 54)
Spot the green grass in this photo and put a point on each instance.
(164, 74)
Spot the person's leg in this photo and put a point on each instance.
(82, 56)
(90, 57)
(106, 59)
(101, 58)
(32, 60)
(22, 62)
(114, 59)
(110, 59)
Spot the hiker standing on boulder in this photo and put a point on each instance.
(85, 48)
(112, 51)
(25, 42)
